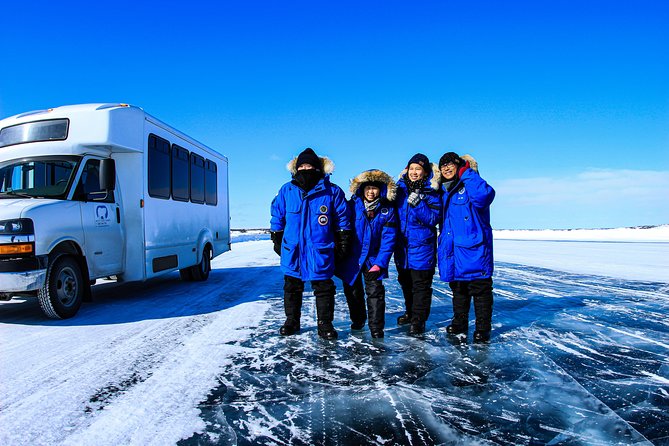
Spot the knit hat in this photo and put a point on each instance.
(308, 156)
(450, 157)
(421, 160)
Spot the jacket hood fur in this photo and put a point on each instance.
(435, 179)
(377, 176)
(472, 162)
(328, 165)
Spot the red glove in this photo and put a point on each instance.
(462, 169)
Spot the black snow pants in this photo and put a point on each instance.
(417, 289)
(481, 291)
(324, 290)
(376, 301)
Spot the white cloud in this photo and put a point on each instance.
(589, 187)
(593, 198)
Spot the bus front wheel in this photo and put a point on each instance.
(63, 291)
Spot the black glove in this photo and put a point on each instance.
(343, 242)
(277, 238)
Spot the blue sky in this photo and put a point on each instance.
(565, 104)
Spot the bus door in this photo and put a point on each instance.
(101, 222)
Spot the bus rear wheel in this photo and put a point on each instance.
(63, 291)
(200, 272)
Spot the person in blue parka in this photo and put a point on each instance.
(465, 243)
(371, 207)
(418, 207)
(309, 226)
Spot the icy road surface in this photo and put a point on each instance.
(574, 359)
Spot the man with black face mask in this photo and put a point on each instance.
(310, 226)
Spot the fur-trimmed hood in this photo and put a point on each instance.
(435, 177)
(376, 176)
(328, 165)
(472, 162)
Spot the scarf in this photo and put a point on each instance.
(414, 185)
(371, 206)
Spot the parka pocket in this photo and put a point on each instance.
(289, 255)
(469, 260)
(322, 257)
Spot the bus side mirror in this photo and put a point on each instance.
(107, 174)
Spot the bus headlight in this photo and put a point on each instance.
(19, 226)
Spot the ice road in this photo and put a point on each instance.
(575, 358)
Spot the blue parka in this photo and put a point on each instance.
(309, 221)
(374, 238)
(465, 241)
(416, 244)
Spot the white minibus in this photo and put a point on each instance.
(104, 191)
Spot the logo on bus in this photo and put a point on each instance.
(102, 216)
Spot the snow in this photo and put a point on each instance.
(633, 261)
(579, 355)
(626, 253)
(638, 234)
(126, 370)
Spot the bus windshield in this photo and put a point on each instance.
(44, 177)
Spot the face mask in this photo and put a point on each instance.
(308, 178)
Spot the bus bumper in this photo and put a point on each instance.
(20, 275)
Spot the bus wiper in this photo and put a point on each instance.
(17, 194)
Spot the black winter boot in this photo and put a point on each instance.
(292, 305)
(461, 304)
(327, 331)
(482, 292)
(417, 328)
(459, 324)
(355, 298)
(377, 333)
(404, 278)
(290, 327)
(404, 319)
(481, 337)
(376, 304)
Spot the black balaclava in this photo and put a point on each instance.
(308, 178)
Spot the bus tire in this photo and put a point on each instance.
(200, 272)
(63, 291)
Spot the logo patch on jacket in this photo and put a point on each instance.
(461, 191)
(323, 209)
(323, 220)
(384, 211)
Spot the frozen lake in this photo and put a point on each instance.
(575, 358)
